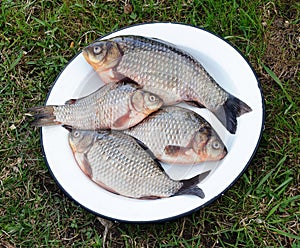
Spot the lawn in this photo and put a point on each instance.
(37, 40)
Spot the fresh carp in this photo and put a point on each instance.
(113, 106)
(117, 163)
(179, 136)
(165, 70)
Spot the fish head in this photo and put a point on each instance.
(81, 141)
(145, 102)
(208, 145)
(102, 55)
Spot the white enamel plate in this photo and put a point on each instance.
(230, 70)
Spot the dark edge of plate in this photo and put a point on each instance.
(195, 209)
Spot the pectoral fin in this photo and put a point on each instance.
(83, 164)
(127, 80)
(179, 155)
(174, 151)
(109, 76)
(122, 122)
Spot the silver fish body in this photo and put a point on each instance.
(165, 70)
(117, 163)
(179, 136)
(113, 106)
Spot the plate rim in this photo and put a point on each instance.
(184, 213)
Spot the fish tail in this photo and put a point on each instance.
(190, 187)
(229, 111)
(43, 116)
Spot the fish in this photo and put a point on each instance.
(163, 69)
(177, 135)
(113, 106)
(118, 164)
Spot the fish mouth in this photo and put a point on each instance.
(70, 129)
(91, 60)
(85, 54)
(223, 154)
(73, 148)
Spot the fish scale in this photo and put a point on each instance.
(116, 162)
(164, 69)
(119, 172)
(165, 126)
(113, 106)
(178, 135)
(167, 64)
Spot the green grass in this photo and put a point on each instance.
(38, 38)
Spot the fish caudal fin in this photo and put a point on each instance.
(43, 116)
(190, 187)
(229, 111)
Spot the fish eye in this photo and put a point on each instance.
(152, 98)
(216, 145)
(76, 134)
(97, 50)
